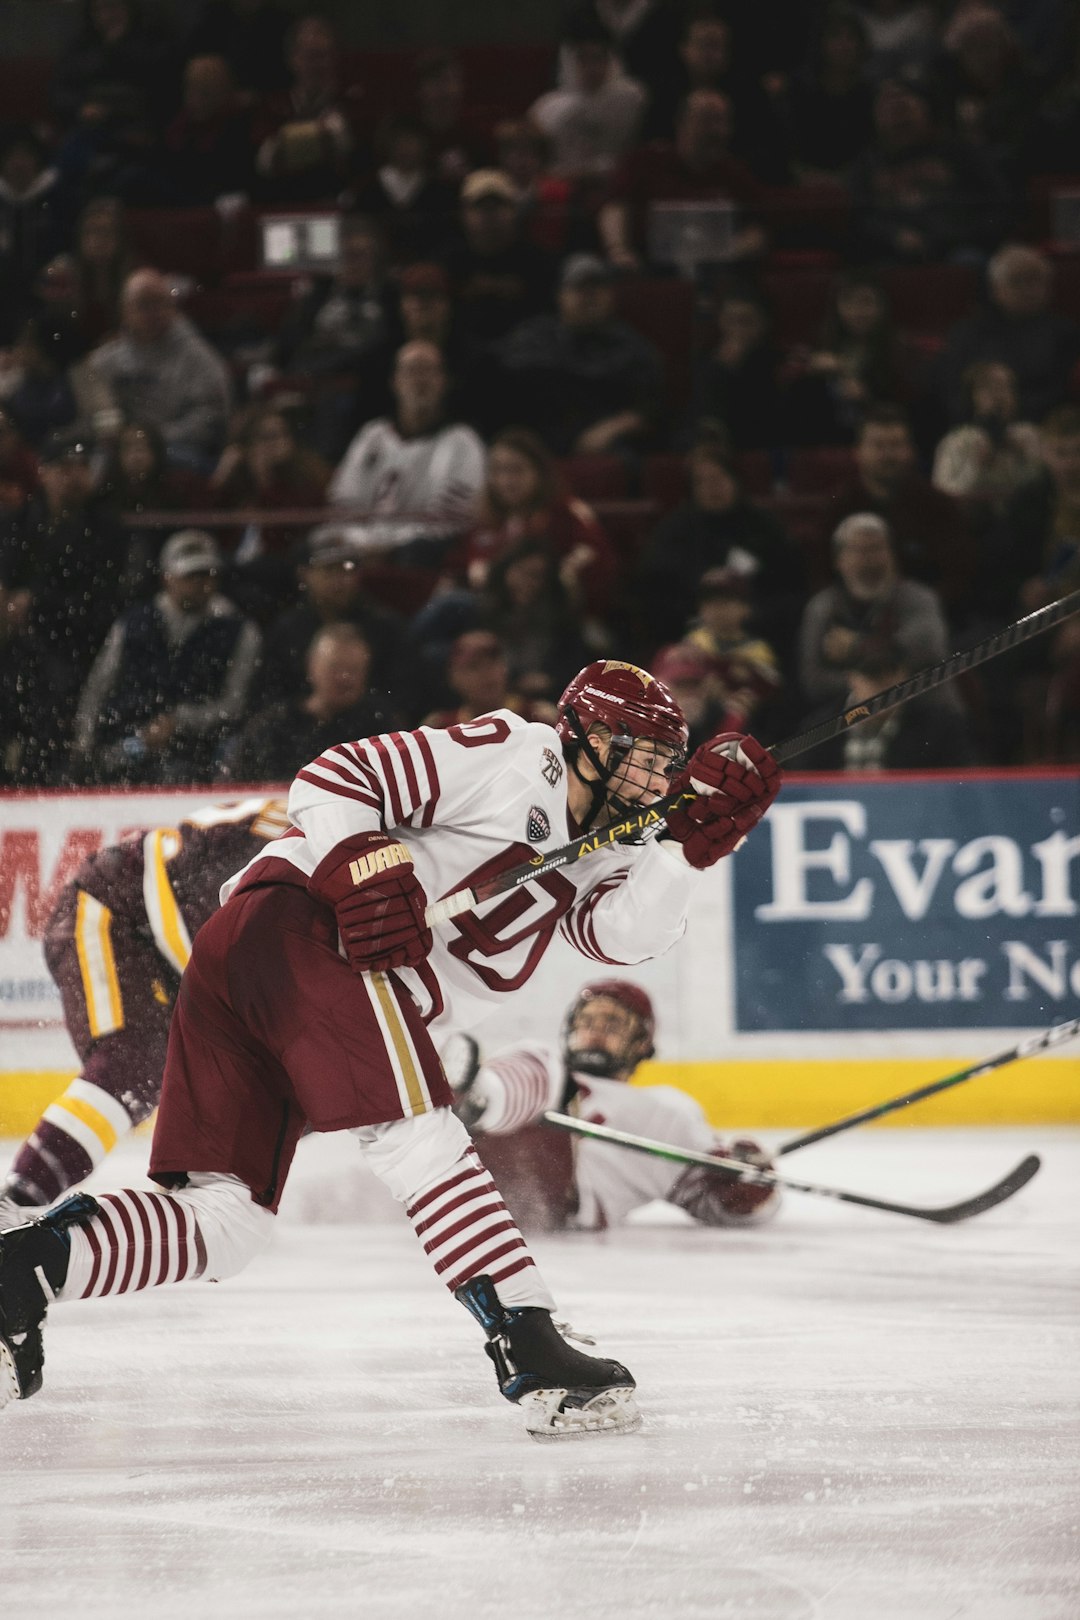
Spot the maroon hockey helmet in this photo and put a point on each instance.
(628, 700)
(639, 1046)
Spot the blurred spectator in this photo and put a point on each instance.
(426, 314)
(593, 119)
(527, 605)
(113, 148)
(413, 205)
(266, 469)
(930, 533)
(331, 592)
(171, 678)
(646, 35)
(62, 561)
(744, 670)
(696, 167)
(159, 370)
(829, 101)
(1040, 531)
(1019, 329)
(306, 138)
(457, 141)
(986, 81)
(718, 527)
(901, 34)
(250, 35)
(343, 318)
(18, 467)
(857, 360)
(991, 454)
(920, 735)
(521, 501)
(687, 673)
(34, 383)
(209, 151)
(417, 475)
(264, 466)
(870, 606)
(585, 381)
(921, 195)
(707, 62)
(545, 202)
(737, 383)
(478, 675)
(31, 219)
(137, 479)
(338, 705)
(498, 276)
(103, 263)
(120, 47)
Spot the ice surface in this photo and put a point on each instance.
(848, 1416)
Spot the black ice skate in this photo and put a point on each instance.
(33, 1266)
(563, 1393)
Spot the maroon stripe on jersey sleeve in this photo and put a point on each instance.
(410, 770)
(433, 779)
(340, 789)
(397, 807)
(363, 765)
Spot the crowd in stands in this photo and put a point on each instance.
(501, 428)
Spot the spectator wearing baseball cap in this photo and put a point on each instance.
(498, 276)
(584, 380)
(171, 678)
(332, 592)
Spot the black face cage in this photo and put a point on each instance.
(621, 745)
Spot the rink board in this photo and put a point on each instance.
(875, 934)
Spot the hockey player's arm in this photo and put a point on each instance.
(510, 1090)
(634, 913)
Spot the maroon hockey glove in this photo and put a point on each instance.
(721, 1200)
(370, 883)
(736, 780)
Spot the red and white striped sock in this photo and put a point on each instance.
(468, 1232)
(136, 1240)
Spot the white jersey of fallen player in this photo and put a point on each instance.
(414, 488)
(517, 1085)
(470, 802)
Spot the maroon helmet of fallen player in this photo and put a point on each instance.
(609, 1029)
(636, 709)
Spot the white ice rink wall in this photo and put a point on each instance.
(875, 933)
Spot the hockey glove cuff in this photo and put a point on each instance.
(379, 905)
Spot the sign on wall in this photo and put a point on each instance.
(926, 903)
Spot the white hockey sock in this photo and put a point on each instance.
(430, 1165)
(139, 1240)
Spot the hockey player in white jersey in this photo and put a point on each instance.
(551, 1180)
(314, 998)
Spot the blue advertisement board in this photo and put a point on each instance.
(911, 903)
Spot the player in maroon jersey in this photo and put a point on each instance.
(116, 943)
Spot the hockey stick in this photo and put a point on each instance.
(1035, 1043)
(647, 822)
(946, 1215)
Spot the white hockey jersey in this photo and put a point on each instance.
(418, 488)
(515, 1087)
(470, 802)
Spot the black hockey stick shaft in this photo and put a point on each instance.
(1027, 1048)
(735, 1169)
(651, 820)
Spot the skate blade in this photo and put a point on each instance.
(612, 1411)
(10, 1386)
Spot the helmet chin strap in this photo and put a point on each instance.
(598, 788)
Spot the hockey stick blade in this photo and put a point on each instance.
(737, 1169)
(646, 823)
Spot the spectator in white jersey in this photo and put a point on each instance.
(551, 1180)
(415, 477)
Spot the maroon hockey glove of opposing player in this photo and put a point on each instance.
(379, 904)
(721, 1200)
(735, 780)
